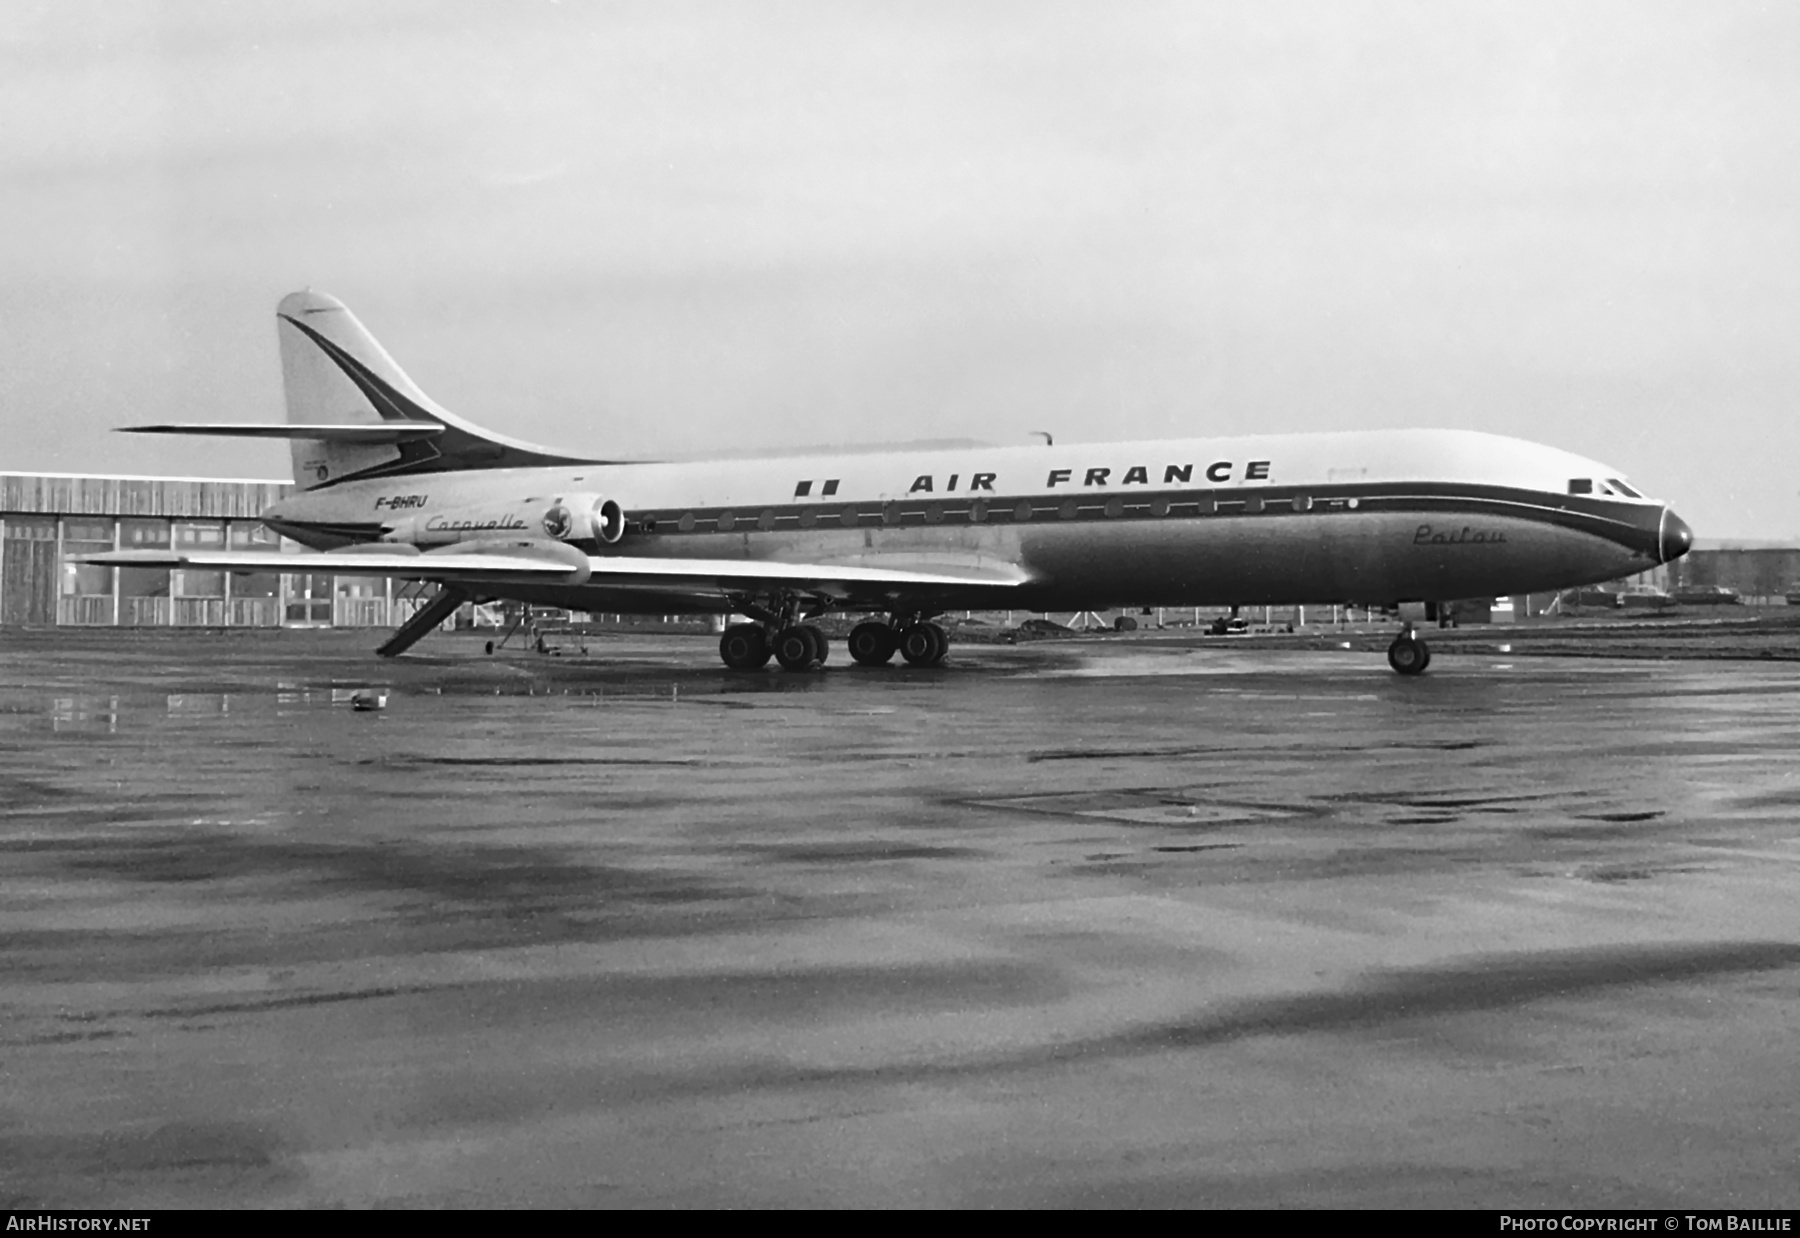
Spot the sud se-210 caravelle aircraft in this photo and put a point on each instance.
(391, 484)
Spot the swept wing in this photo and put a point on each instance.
(555, 563)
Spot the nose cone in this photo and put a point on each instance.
(1675, 538)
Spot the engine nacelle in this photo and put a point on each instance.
(566, 518)
(577, 517)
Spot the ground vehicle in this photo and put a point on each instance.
(1600, 599)
(1644, 597)
(1707, 595)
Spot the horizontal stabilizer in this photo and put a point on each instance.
(387, 432)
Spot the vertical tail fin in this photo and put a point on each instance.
(335, 373)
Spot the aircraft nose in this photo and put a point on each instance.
(1675, 538)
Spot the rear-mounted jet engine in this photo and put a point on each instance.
(567, 518)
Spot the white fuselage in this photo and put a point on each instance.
(1372, 517)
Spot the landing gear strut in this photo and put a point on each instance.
(1408, 654)
(433, 613)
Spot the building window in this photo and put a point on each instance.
(87, 591)
(198, 594)
(253, 599)
(144, 591)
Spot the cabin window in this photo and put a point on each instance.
(1205, 506)
(809, 516)
(1253, 504)
(934, 514)
(726, 520)
(890, 513)
(978, 511)
(1022, 512)
(1303, 502)
(1159, 506)
(1115, 507)
(766, 521)
(1581, 485)
(686, 523)
(1067, 510)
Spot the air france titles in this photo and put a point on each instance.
(1218, 472)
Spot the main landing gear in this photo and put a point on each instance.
(920, 643)
(1408, 654)
(798, 647)
(801, 646)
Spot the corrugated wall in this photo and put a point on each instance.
(1758, 573)
(26, 493)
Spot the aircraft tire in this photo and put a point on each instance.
(821, 645)
(873, 643)
(1408, 655)
(744, 647)
(941, 639)
(794, 648)
(916, 645)
(924, 644)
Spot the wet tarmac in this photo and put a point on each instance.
(1054, 925)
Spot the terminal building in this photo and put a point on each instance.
(49, 520)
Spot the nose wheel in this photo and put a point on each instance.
(1408, 654)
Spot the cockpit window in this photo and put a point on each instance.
(1623, 489)
(1581, 485)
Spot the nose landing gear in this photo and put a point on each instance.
(1408, 654)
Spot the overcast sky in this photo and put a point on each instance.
(717, 227)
